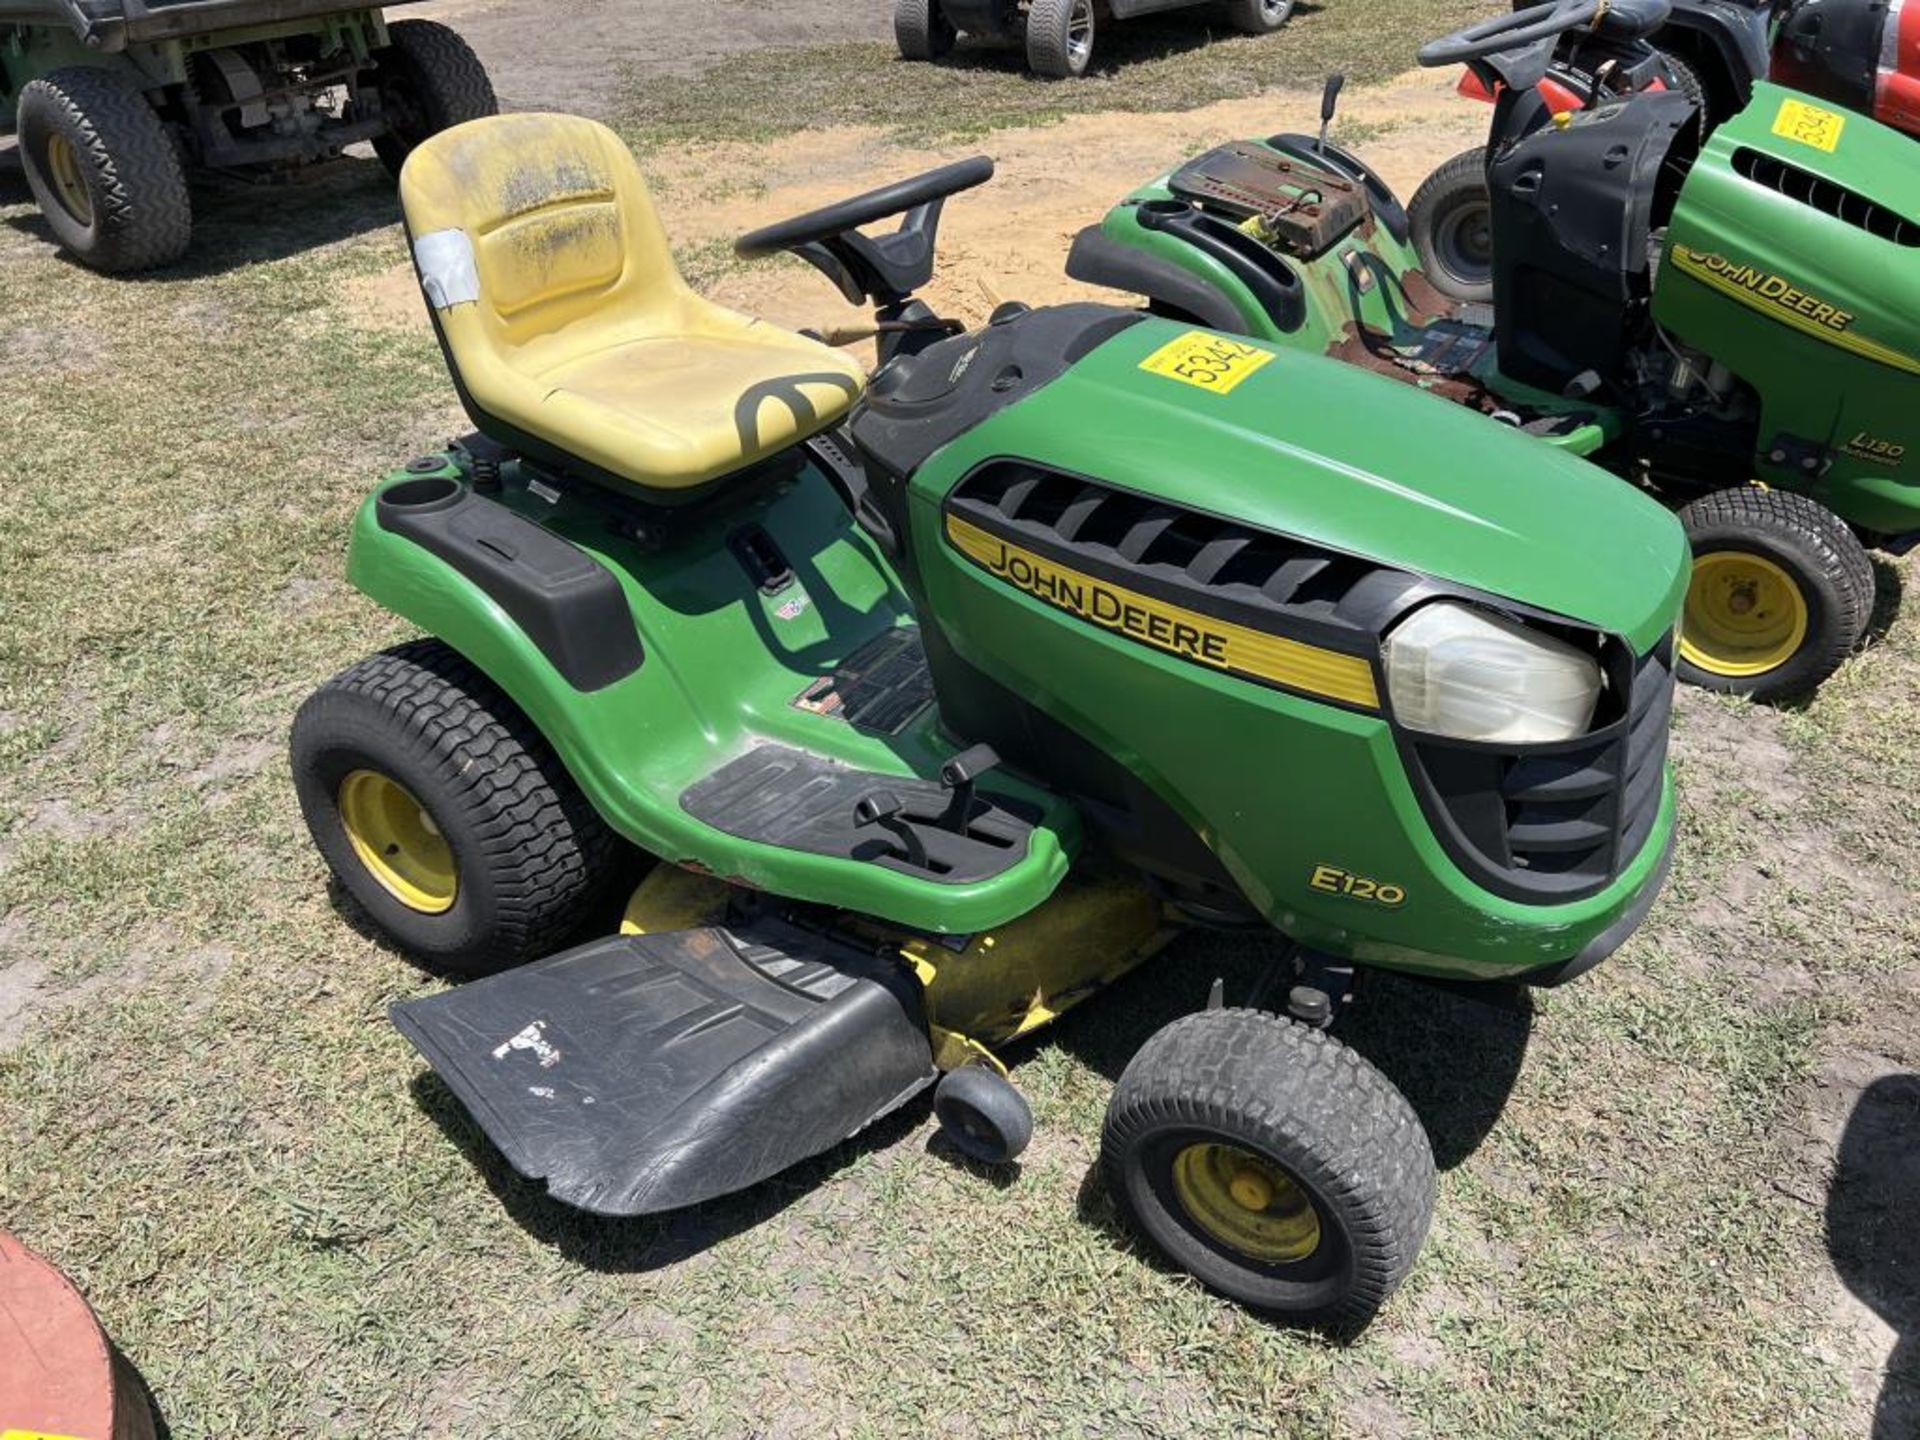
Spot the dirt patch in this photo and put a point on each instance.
(1009, 239)
(576, 54)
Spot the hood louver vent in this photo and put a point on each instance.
(1848, 206)
(1182, 553)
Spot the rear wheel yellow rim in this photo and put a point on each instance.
(1745, 615)
(398, 841)
(1246, 1203)
(69, 183)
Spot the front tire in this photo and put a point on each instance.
(1259, 17)
(921, 29)
(1060, 38)
(1273, 1164)
(429, 80)
(1452, 219)
(1781, 593)
(444, 813)
(104, 170)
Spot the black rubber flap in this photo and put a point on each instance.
(643, 1073)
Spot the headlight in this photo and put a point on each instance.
(1453, 670)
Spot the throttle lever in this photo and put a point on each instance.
(958, 775)
(883, 809)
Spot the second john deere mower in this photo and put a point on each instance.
(1735, 325)
(942, 702)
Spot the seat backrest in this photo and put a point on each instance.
(544, 224)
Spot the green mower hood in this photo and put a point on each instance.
(1328, 453)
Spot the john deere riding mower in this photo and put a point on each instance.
(946, 699)
(116, 103)
(1735, 326)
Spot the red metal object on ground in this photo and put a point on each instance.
(1896, 98)
(60, 1377)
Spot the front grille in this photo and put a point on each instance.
(1847, 206)
(1554, 823)
(1233, 569)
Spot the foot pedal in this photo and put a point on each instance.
(778, 795)
(647, 1072)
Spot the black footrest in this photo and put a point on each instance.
(644, 1073)
(802, 801)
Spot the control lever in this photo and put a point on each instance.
(1604, 84)
(883, 808)
(1329, 101)
(958, 775)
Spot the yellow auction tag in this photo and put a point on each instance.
(1209, 361)
(1809, 124)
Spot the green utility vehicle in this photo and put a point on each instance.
(945, 700)
(115, 103)
(1734, 324)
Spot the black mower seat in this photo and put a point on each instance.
(570, 332)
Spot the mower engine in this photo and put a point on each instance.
(1860, 54)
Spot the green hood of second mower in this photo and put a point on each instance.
(1312, 448)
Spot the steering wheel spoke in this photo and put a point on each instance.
(885, 268)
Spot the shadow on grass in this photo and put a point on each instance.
(236, 223)
(1873, 1239)
(1887, 596)
(650, 1242)
(1454, 1052)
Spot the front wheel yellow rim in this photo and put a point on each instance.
(69, 184)
(1246, 1203)
(1745, 615)
(397, 840)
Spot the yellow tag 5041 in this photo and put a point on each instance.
(1208, 361)
(1809, 124)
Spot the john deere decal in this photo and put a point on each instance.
(1780, 299)
(1202, 639)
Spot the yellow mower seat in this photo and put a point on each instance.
(568, 327)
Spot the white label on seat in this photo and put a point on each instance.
(447, 271)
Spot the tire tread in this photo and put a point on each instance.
(1250, 1072)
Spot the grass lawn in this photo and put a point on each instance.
(206, 1119)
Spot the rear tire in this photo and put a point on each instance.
(1060, 37)
(507, 854)
(1782, 592)
(429, 80)
(104, 170)
(1272, 1163)
(1685, 80)
(1452, 219)
(921, 29)
(1259, 17)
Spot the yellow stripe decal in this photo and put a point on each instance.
(1778, 299)
(1203, 639)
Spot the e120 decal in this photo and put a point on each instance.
(1332, 880)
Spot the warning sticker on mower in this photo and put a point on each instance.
(1206, 361)
(1809, 124)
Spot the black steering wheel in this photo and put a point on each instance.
(900, 198)
(1541, 22)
